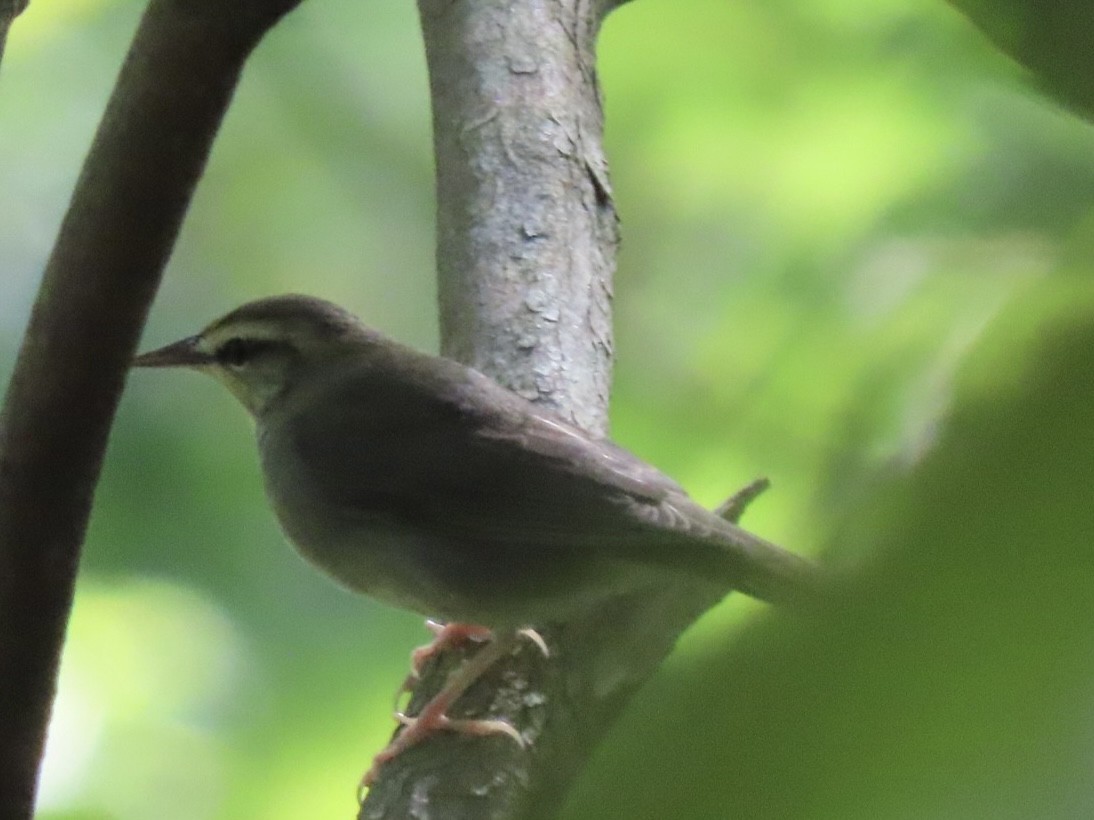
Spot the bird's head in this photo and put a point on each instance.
(263, 348)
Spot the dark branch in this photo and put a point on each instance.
(116, 237)
(9, 10)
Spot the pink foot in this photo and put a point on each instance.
(433, 716)
(433, 719)
(445, 636)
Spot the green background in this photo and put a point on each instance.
(857, 253)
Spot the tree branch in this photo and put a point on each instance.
(9, 10)
(526, 227)
(116, 237)
(526, 251)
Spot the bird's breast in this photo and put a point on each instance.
(365, 550)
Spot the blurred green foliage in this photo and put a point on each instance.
(857, 253)
(1050, 37)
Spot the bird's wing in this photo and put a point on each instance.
(467, 457)
(455, 456)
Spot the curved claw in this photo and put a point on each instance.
(444, 637)
(533, 636)
(419, 728)
(433, 717)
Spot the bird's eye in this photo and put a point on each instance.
(235, 352)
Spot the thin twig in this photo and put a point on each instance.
(734, 507)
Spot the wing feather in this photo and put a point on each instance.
(452, 451)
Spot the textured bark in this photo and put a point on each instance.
(526, 228)
(116, 237)
(526, 250)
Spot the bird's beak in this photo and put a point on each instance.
(183, 353)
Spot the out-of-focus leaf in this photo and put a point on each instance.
(952, 677)
(1052, 38)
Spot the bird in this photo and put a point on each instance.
(423, 483)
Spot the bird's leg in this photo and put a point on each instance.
(445, 636)
(449, 635)
(433, 716)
